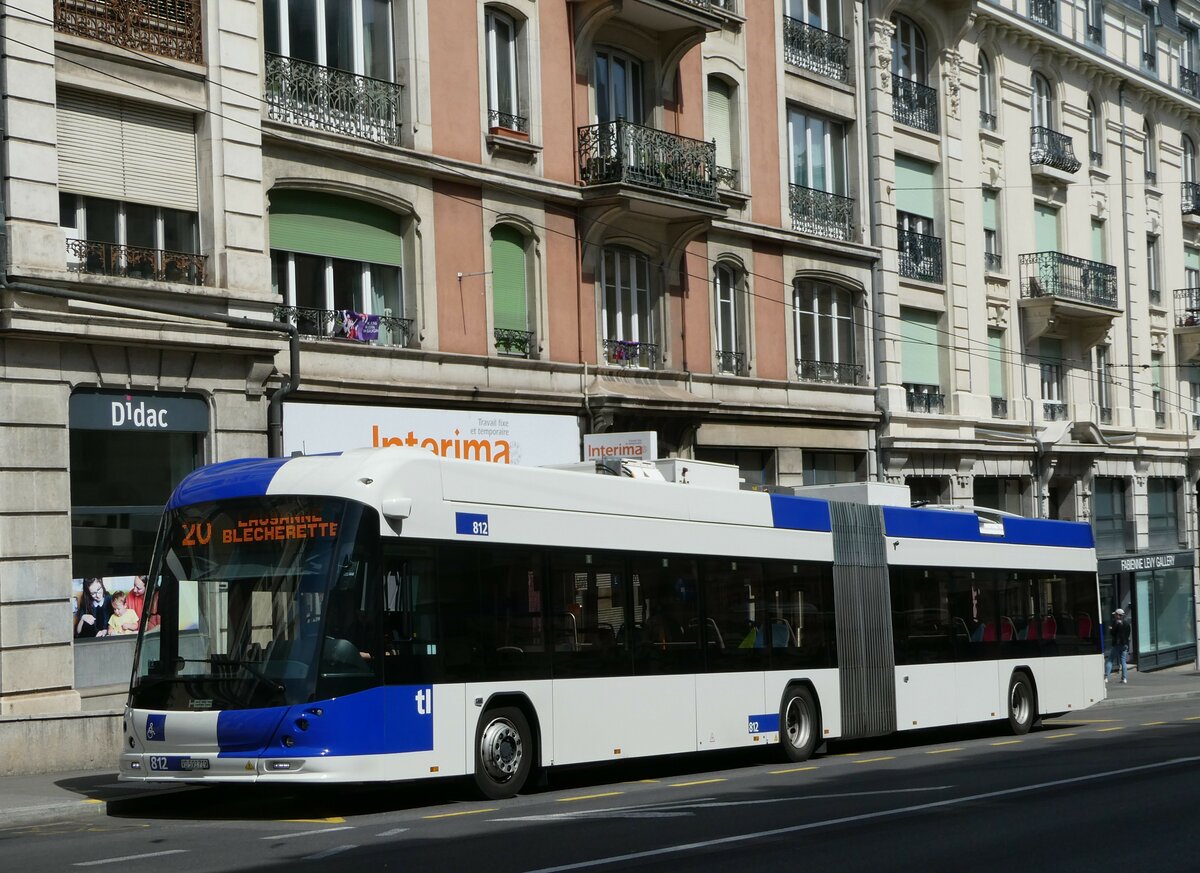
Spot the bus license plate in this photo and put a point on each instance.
(169, 762)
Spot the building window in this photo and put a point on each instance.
(817, 173)
(1095, 135)
(1108, 514)
(1095, 22)
(755, 466)
(504, 92)
(628, 309)
(1104, 384)
(831, 468)
(1054, 407)
(1163, 501)
(510, 293)
(916, 205)
(920, 360)
(825, 333)
(1149, 155)
(1153, 287)
(731, 357)
(1099, 241)
(1188, 159)
(1041, 106)
(338, 264)
(1156, 391)
(908, 50)
(1191, 267)
(925, 490)
(720, 124)
(131, 239)
(992, 259)
(987, 91)
(998, 492)
(997, 383)
(618, 87)
(1150, 37)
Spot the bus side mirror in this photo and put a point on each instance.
(397, 507)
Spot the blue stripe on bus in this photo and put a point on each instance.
(247, 477)
(944, 524)
(799, 513)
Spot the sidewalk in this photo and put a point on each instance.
(50, 797)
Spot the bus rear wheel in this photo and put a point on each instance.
(799, 723)
(503, 752)
(1020, 704)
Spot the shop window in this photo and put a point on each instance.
(831, 468)
(999, 492)
(755, 466)
(1163, 499)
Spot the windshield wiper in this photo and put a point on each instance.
(250, 667)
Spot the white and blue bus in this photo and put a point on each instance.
(386, 614)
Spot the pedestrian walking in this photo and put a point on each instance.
(1119, 652)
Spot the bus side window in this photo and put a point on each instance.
(410, 626)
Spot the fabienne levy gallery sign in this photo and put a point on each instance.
(522, 439)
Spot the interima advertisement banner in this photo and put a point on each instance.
(524, 439)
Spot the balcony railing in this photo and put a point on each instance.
(999, 407)
(1053, 274)
(924, 398)
(1106, 415)
(1095, 34)
(326, 98)
(1196, 421)
(1044, 12)
(1187, 307)
(733, 363)
(1160, 418)
(1052, 410)
(342, 324)
(820, 212)
(1189, 198)
(816, 50)
(167, 28)
(920, 256)
(914, 104)
(1155, 297)
(134, 262)
(620, 151)
(987, 120)
(1189, 81)
(1053, 149)
(830, 371)
(728, 178)
(514, 343)
(993, 262)
(508, 121)
(1097, 158)
(629, 354)
(1151, 177)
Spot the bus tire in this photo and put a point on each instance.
(799, 723)
(1021, 708)
(503, 752)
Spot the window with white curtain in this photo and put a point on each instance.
(987, 93)
(503, 97)
(824, 328)
(350, 35)
(818, 149)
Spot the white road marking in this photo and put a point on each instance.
(866, 816)
(328, 852)
(130, 858)
(308, 833)
(392, 832)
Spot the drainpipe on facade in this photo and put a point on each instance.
(274, 407)
(867, 108)
(1125, 247)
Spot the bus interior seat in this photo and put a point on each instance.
(1083, 626)
(989, 632)
(1049, 628)
(1008, 631)
(960, 628)
(782, 636)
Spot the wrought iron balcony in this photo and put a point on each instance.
(326, 98)
(830, 371)
(167, 28)
(1052, 410)
(924, 398)
(620, 151)
(134, 262)
(999, 407)
(816, 50)
(1095, 35)
(820, 213)
(728, 178)
(1044, 12)
(333, 324)
(1189, 198)
(920, 256)
(1097, 158)
(993, 261)
(1187, 307)
(914, 104)
(1053, 149)
(1106, 415)
(731, 362)
(514, 343)
(630, 354)
(507, 121)
(987, 120)
(1149, 61)
(1189, 82)
(1053, 274)
(1156, 297)
(1151, 177)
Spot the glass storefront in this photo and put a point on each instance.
(1157, 592)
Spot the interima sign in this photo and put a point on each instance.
(639, 445)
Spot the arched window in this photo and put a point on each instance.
(908, 50)
(824, 327)
(1041, 108)
(1189, 159)
(510, 292)
(987, 99)
(504, 96)
(628, 308)
(1149, 154)
(1095, 134)
(720, 127)
(731, 356)
(618, 87)
(338, 264)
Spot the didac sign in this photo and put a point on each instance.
(639, 445)
(127, 410)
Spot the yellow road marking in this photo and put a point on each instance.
(793, 770)
(1106, 730)
(1192, 718)
(697, 782)
(1074, 722)
(845, 754)
(1152, 723)
(641, 782)
(1059, 736)
(337, 819)
(940, 751)
(1006, 743)
(589, 796)
(873, 760)
(465, 812)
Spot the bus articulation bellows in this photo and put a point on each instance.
(386, 614)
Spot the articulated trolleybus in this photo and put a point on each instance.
(386, 614)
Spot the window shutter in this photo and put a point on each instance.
(1045, 228)
(1050, 351)
(914, 187)
(121, 150)
(718, 121)
(919, 340)
(996, 363)
(509, 298)
(313, 223)
(1191, 259)
(989, 211)
(1097, 240)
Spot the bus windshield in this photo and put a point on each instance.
(261, 602)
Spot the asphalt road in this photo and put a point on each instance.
(1112, 788)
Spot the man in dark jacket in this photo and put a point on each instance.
(1118, 638)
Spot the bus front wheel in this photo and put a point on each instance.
(503, 752)
(1020, 704)
(799, 723)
